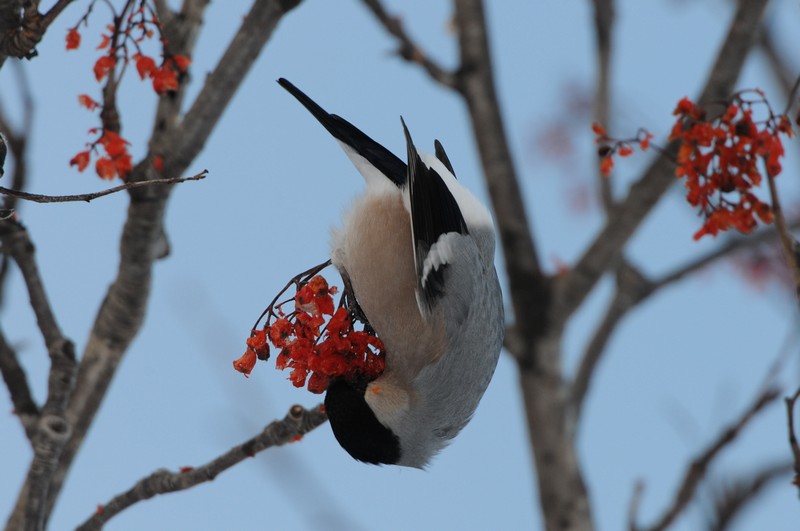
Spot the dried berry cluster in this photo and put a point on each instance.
(315, 349)
(624, 148)
(721, 160)
(122, 44)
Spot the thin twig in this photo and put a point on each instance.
(790, 401)
(731, 497)
(409, 50)
(39, 198)
(787, 241)
(297, 423)
(792, 95)
(626, 217)
(179, 141)
(296, 280)
(779, 64)
(696, 471)
(633, 289)
(54, 11)
(633, 508)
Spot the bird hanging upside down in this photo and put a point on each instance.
(417, 251)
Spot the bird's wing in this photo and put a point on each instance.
(372, 160)
(442, 156)
(438, 228)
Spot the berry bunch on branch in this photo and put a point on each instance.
(122, 43)
(723, 158)
(316, 340)
(725, 150)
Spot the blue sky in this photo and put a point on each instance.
(679, 368)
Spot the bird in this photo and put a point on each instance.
(417, 250)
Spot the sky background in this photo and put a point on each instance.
(679, 368)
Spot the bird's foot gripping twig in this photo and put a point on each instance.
(351, 303)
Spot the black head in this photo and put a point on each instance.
(356, 427)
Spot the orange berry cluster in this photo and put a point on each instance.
(315, 349)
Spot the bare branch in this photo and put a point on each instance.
(697, 469)
(181, 32)
(297, 423)
(563, 497)
(18, 29)
(790, 401)
(476, 83)
(778, 63)
(54, 11)
(632, 288)
(17, 383)
(19, 35)
(52, 430)
(14, 241)
(409, 50)
(122, 313)
(731, 497)
(626, 217)
(788, 243)
(17, 143)
(38, 198)
(633, 509)
(730, 247)
(603, 26)
(221, 84)
(163, 11)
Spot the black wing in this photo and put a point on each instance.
(384, 160)
(442, 156)
(434, 213)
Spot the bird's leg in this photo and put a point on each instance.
(351, 303)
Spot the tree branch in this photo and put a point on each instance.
(731, 498)
(15, 242)
(19, 35)
(221, 84)
(633, 288)
(297, 423)
(788, 243)
(409, 50)
(633, 508)
(793, 445)
(697, 470)
(17, 383)
(535, 338)
(603, 26)
(777, 62)
(626, 217)
(121, 315)
(39, 198)
(54, 11)
(476, 83)
(52, 430)
(17, 144)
